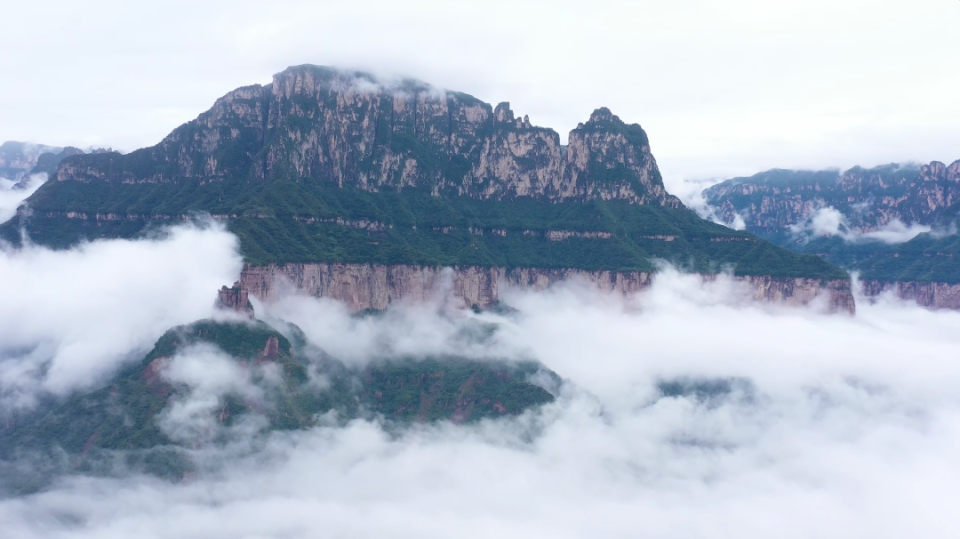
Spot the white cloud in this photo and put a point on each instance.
(414, 330)
(68, 318)
(209, 375)
(829, 221)
(842, 427)
(690, 192)
(11, 198)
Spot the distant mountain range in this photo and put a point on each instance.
(895, 224)
(20, 159)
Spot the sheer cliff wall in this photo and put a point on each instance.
(369, 286)
(933, 295)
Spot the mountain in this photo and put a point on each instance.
(48, 162)
(21, 159)
(772, 201)
(895, 224)
(362, 189)
(152, 413)
(18, 158)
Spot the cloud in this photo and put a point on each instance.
(690, 192)
(829, 221)
(210, 375)
(817, 425)
(413, 330)
(806, 109)
(70, 318)
(12, 194)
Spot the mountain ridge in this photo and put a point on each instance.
(326, 166)
(894, 224)
(380, 137)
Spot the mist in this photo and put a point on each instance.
(829, 221)
(12, 194)
(70, 318)
(685, 411)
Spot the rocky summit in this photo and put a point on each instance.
(352, 130)
(340, 174)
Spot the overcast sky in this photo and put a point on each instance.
(722, 88)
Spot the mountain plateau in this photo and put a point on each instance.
(333, 168)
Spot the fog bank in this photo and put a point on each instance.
(70, 318)
(775, 422)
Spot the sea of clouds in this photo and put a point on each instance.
(830, 425)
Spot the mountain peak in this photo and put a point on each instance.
(351, 129)
(603, 114)
(503, 114)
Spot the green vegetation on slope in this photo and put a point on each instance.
(287, 221)
(125, 414)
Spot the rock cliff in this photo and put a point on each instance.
(927, 294)
(367, 286)
(357, 131)
(234, 299)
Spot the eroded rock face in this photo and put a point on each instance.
(368, 286)
(798, 292)
(350, 129)
(926, 294)
(235, 299)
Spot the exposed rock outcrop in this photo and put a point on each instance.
(368, 286)
(234, 298)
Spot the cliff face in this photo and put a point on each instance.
(927, 294)
(367, 286)
(353, 130)
(869, 199)
(235, 299)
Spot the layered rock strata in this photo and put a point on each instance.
(368, 286)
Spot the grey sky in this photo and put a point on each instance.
(722, 88)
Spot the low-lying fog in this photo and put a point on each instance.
(833, 426)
